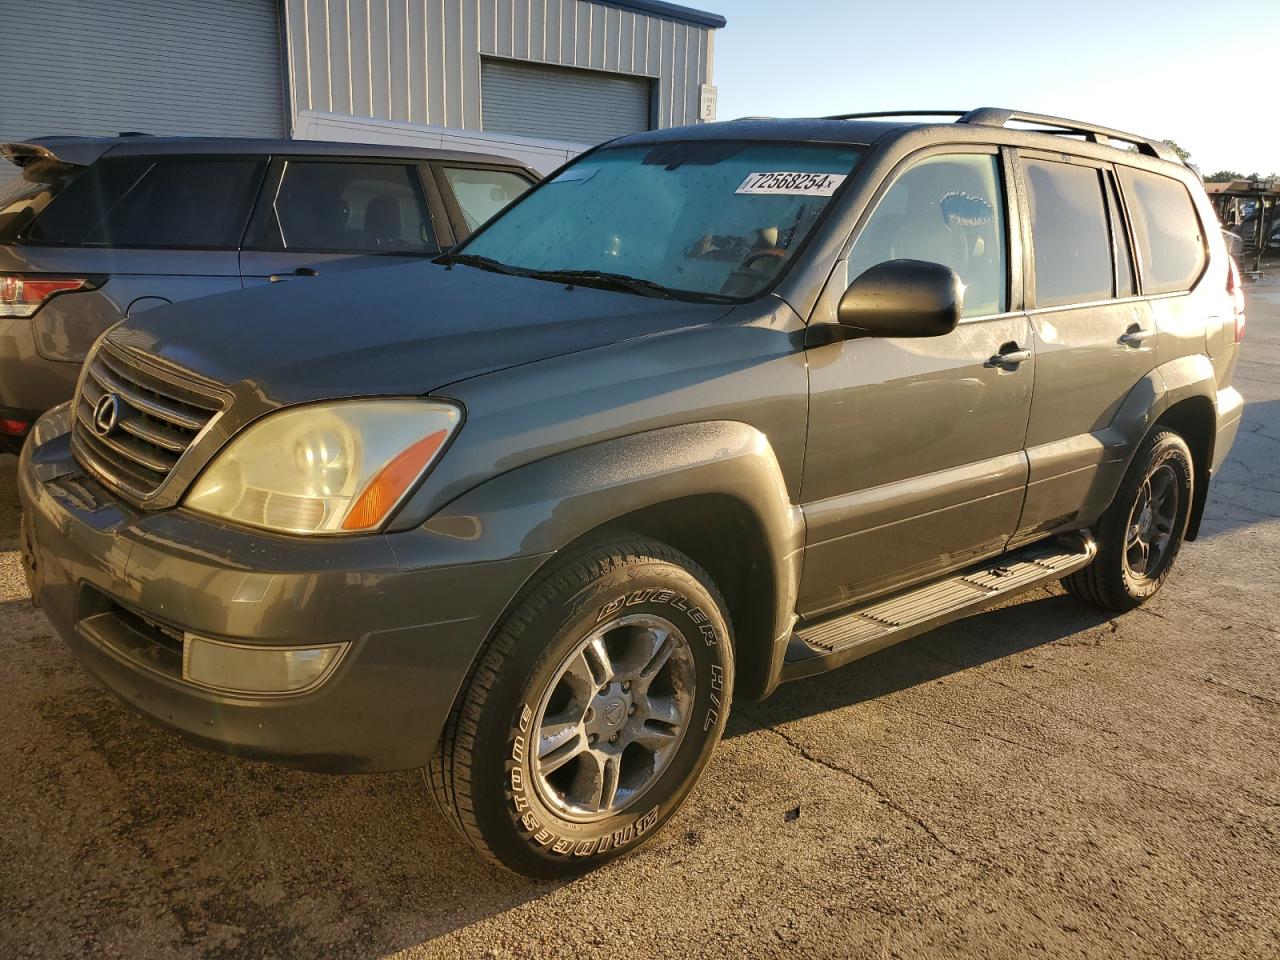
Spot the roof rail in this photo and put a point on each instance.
(887, 114)
(999, 117)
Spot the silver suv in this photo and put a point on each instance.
(97, 229)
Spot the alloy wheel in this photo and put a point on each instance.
(613, 717)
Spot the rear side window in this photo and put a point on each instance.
(349, 207)
(1070, 233)
(189, 202)
(1167, 231)
(23, 200)
(482, 193)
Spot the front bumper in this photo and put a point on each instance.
(118, 585)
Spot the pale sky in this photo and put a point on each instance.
(1175, 69)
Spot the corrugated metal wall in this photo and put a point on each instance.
(102, 66)
(418, 61)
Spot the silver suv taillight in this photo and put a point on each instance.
(22, 295)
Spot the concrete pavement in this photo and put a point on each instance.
(1037, 780)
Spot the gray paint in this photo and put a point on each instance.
(419, 61)
(93, 67)
(583, 404)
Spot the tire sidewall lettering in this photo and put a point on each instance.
(561, 839)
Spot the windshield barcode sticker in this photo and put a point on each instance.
(792, 184)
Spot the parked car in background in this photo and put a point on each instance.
(98, 229)
(708, 410)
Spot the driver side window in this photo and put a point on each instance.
(946, 209)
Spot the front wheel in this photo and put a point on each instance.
(591, 713)
(1141, 533)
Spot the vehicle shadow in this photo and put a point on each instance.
(1041, 617)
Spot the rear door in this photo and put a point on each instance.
(1094, 336)
(474, 193)
(325, 214)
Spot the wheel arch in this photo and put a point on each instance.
(1195, 419)
(713, 490)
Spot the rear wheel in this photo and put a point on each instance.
(591, 713)
(1141, 533)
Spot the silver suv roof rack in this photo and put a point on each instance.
(1043, 123)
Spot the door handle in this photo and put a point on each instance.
(300, 272)
(1135, 336)
(1010, 356)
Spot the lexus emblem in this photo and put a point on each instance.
(106, 414)
(614, 712)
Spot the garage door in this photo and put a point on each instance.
(103, 66)
(555, 103)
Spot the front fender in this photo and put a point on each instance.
(543, 506)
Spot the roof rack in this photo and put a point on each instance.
(1000, 117)
(889, 114)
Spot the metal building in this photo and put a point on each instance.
(578, 71)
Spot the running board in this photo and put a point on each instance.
(846, 636)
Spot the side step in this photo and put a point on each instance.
(836, 640)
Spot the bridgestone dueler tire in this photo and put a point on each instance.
(1107, 581)
(480, 775)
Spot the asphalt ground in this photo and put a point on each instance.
(1040, 780)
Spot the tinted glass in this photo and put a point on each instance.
(697, 217)
(1166, 230)
(23, 200)
(1123, 252)
(949, 210)
(146, 202)
(347, 207)
(1070, 233)
(482, 193)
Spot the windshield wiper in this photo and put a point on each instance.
(602, 278)
(482, 263)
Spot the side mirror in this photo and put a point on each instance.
(903, 298)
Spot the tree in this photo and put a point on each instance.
(1183, 155)
(1224, 176)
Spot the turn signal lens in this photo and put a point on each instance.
(21, 296)
(386, 489)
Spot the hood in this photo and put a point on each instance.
(392, 330)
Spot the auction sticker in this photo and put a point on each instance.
(788, 183)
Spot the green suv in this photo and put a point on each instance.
(708, 410)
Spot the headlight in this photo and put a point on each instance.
(325, 468)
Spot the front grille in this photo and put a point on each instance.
(158, 417)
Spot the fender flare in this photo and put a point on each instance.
(540, 507)
(1167, 385)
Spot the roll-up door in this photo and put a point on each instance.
(558, 103)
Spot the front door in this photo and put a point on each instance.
(915, 461)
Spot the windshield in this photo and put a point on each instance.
(713, 218)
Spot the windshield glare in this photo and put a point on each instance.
(710, 218)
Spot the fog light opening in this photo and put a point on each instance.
(256, 670)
